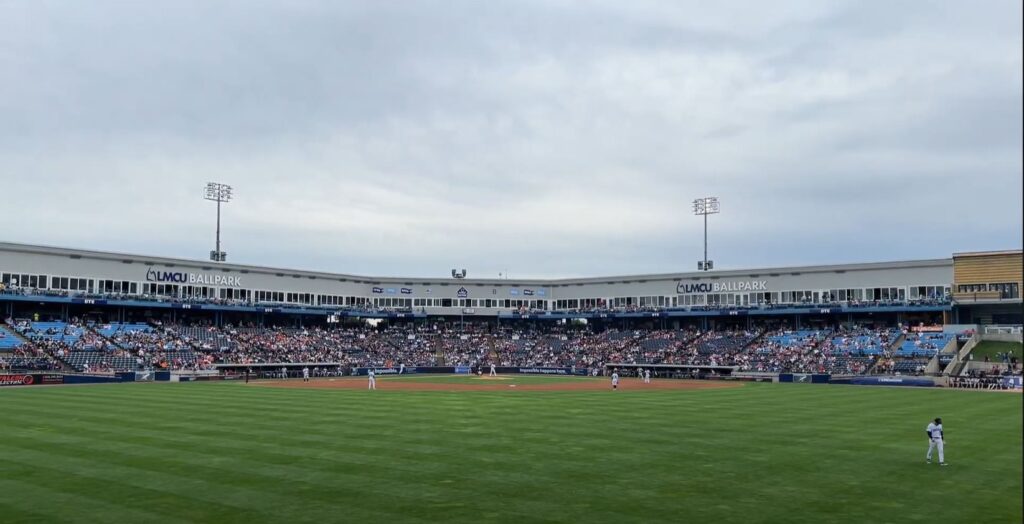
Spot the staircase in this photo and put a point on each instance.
(492, 355)
(439, 356)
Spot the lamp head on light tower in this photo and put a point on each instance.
(706, 206)
(219, 193)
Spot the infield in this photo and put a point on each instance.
(506, 383)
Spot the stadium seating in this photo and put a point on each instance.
(65, 332)
(111, 347)
(8, 339)
(923, 344)
(864, 342)
(113, 329)
(11, 363)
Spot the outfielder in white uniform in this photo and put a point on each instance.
(936, 440)
(640, 373)
(401, 368)
(615, 380)
(647, 376)
(373, 379)
(494, 372)
(305, 374)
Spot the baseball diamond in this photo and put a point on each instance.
(667, 261)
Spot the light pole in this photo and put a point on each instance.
(217, 192)
(705, 206)
(459, 275)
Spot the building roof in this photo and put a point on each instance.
(206, 265)
(988, 253)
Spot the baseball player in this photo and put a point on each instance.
(305, 374)
(401, 368)
(640, 373)
(647, 376)
(615, 380)
(936, 440)
(373, 379)
(494, 372)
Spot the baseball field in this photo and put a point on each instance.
(231, 452)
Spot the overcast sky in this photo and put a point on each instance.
(544, 139)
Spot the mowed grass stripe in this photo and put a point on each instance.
(305, 451)
(221, 490)
(843, 453)
(116, 453)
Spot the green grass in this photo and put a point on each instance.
(227, 452)
(993, 347)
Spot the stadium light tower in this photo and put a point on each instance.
(219, 193)
(705, 206)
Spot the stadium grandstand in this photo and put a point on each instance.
(89, 311)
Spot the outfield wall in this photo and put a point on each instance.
(53, 379)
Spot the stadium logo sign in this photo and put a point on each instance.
(406, 291)
(180, 277)
(721, 287)
(462, 292)
(378, 290)
(528, 292)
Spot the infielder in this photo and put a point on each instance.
(305, 374)
(494, 372)
(935, 440)
(647, 376)
(373, 380)
(615, 380)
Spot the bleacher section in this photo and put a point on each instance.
(113, 329)
(53, 331)
(863, 343)
(9, 340)
(111, 347)
(726, 342)
(923, 344)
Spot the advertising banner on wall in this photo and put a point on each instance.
(17, 380)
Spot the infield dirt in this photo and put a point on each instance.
(562, 385)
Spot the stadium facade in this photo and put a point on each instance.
(976, 288)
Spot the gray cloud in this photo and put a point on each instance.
(541, 138)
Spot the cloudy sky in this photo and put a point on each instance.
(537, 138)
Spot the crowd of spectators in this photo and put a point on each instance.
(112, 347)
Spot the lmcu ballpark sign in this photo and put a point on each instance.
(180, 277)
(683, 288)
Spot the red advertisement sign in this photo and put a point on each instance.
(16, 380)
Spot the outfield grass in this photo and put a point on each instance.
(993, 347)
(761, 453)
